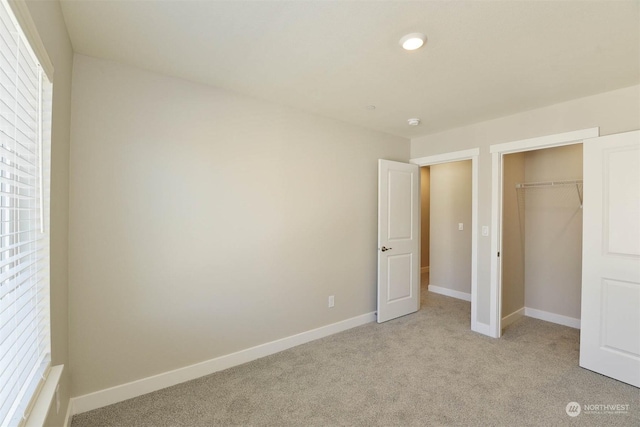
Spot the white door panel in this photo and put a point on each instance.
(398, 239)
(399, 195)
(610, 327)
(399, 277)
(622, 210)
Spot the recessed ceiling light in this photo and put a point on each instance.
(413, 41)
(413, 122)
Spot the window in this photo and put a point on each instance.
(25, 127)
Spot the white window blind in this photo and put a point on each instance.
(25, 125)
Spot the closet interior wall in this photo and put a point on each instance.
(512, 236)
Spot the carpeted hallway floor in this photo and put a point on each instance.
(424, 369)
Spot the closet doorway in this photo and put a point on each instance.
(541, 255)
(516, 246)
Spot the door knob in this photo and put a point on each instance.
(383, 249)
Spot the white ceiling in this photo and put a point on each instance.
(482, 59)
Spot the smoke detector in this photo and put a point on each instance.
(413, 122)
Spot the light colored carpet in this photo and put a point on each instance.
(423, 369)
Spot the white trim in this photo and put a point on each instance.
(508, 320)
(69, 414)
(552, 317)
(482, 328)
(22, 14)
(454, 156)
(449, 292)
(557, 140)
(471, 154)
(38, 414)
(497, 151)
(474, 239)
(496, 230)
(424, 270)
(142, 386)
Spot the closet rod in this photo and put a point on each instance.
(548, 183)
(574, 182)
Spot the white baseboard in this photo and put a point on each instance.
(424, 270)
(552, 317)
(508, 320)
(449, 292)
(136, 388)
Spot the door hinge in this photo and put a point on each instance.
(498, 254)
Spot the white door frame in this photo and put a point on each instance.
(471, 154)
(497, 152)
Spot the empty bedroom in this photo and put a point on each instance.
(213, 213)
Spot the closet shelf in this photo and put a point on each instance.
(526, 185)
(547, 184)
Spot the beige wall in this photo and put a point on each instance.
(450, 251)
(553, 232)
(203, 222)
(49, 22)
(424, 216)
(615, 111)
(513, 227)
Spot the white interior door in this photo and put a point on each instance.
(398, 239)
(610, 326)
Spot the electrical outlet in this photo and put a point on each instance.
(331, 301)
(58, 399)
(460, 226)
(485, 230)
